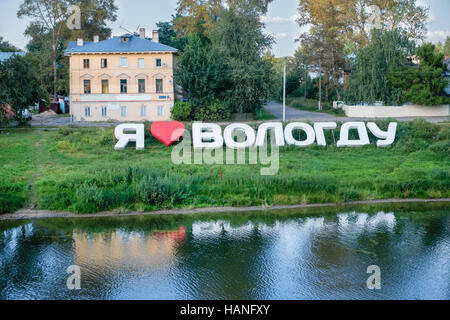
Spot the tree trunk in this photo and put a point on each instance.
(306, 80)
(54, 66)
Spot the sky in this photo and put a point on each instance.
(280, 20)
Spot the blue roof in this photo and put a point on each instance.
(6, 55)
(134, 44)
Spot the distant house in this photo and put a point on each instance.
(126, 78)
(6, 55)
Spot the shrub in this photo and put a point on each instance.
(181, 111)
(10, 203)
(216, 111)
(424, 130)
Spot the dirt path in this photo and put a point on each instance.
(26, 214)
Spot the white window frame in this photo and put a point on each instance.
(160, 111)
(104, 112)
(141, 63)
(123, 111)
(143, 111)
(87, 112)
(124, 65)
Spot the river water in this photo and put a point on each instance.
(288, 254)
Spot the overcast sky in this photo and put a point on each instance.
(280, 20)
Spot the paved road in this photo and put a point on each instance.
(59, 121)
(276, 109)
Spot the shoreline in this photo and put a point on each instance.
(28, 214)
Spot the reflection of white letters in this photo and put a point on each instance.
(362, 132)
(246, 129)
(207, 131)
(74, 20)
(389, 136)
(310, 135)
(277, 128)
(125, 138)
(319, 127)
(374, 281)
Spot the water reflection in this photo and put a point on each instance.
(290, 256)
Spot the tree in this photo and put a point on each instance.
(50, 35)
(424, 84)
(198, 72)
(403, 15)
(369, 81)
(200, 16)
(18, 85)
(325, 40)
(168, 36)
(238, 38)
(5, 46)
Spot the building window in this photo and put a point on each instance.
(87, 86)
(158, 62)
(160, 111)
(105, 86)
(86, 63)
(104, 63)
(141, 63)
(123, 86)
(123, 111)
(124, 62)
(104, 112)
(159, 86)
(143, 111)
(141, 83)
(87, 112)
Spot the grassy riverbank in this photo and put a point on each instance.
(78, 170)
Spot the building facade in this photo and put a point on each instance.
(126, 78)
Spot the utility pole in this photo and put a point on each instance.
(284, 91)
(320, 84)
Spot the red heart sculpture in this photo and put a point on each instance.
(167, 133)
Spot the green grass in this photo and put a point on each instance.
(263, 115)
(78, 170)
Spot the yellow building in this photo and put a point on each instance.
(126, 78)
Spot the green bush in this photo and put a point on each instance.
(9, 203)
(216, 111)
(181, 111)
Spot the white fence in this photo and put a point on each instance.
(396, 112)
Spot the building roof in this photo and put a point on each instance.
(115, 45)
(6, 55)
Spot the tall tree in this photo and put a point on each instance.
(369, 81)
(325, 39)
(201, 15)
(168, 36)
(50, 15)
(198, 72)
(50, 35)
(5, 46)
(18, 85)
(423, 85)
(405, 15)
(238, 38)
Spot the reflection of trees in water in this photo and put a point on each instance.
(33, 257)
(256, 257)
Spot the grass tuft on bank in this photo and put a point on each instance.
(77, 170)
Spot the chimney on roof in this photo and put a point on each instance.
(155, 36)
(142, 33)
(96, 38)
(79, 42)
